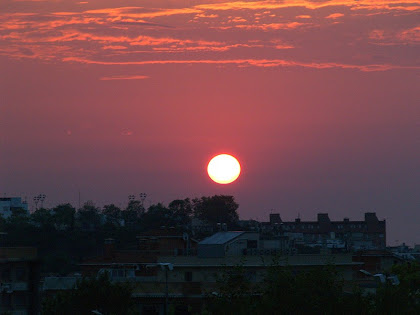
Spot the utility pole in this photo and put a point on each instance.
(166, 291)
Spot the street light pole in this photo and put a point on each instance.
(166, 292)
(142, 198)
(42, 198)
(36, 200)
(167, 267)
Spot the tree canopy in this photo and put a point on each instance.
(91, 294)
(217, 209)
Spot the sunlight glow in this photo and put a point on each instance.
(224, 169)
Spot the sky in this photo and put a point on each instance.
(318, 100)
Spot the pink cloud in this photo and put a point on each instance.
(254, 62)
(125, 77)
(271, 26)
(334, 16)
(411, 35)
(116, 47)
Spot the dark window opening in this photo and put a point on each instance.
(188, 276)
(251, 244)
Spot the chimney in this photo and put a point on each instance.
(324, 223)
(371, 217)
(109, 248)
(323, 217)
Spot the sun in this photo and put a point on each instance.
(224, 169)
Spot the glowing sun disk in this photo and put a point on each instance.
(224, 169)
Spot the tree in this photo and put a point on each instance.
(64, 216)
(90, 294)
(235, 294)
(88, 216)
(181, 210)
(42, 218)
(156, 216)
(19, 216)
(113, 214)
(403, 298)
(217, 209)
(135, 206)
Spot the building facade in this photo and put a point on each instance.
(8, 204)
(19, 281)
(345, 235)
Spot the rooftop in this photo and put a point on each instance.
(221, 237)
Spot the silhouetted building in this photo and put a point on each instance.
(19, 280)
(230, 243)
(157, 270)
(8, 204)
(345, 235)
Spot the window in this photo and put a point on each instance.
(20, 274)
(5, 275)
(188, 276)
(6, 300)
(118, 273)
(252, 244)
(20, 298)
(251, 276)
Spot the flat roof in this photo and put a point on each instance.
(221, 238)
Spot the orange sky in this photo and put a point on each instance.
(318, 100)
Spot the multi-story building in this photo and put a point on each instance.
(19, 281)
(162, 270)
(7, 204)
(345, 235)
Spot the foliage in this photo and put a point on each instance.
(318, 290)
(18, 217)
(64, 216)
(156, 216)
(404, 298)
(132, 214)
(217, 209)
(113, 214)
(92, 294)
(88, 217)
(181, 211)
(42, 217)
(235, 294)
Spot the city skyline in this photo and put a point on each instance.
(318, 100)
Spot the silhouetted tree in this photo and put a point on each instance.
(135, 206)
(181, 210)
(18, 217)
(64, 216)
(132, 214)
(217, 209)
(88, 216)
(42, 218)
(91, 294)
(235, 293)
(156, 216)
(113, 213)
(403, 298)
